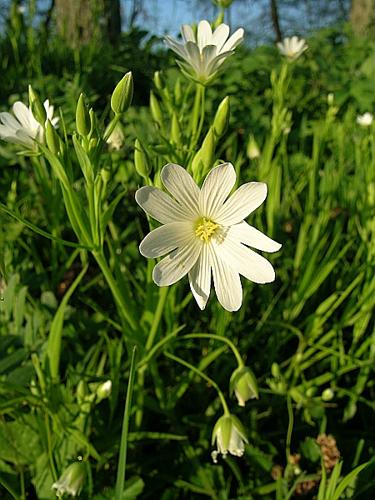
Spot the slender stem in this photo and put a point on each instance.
(290, 427)
(120, 481)
(100, 259)
(49, 448)
(9, 489)
(163, 293)
(204, 376)
(216, 337)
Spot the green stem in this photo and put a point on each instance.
(126, 313)
(120, 481)
(202, 375)
(290, 427)
(163, 293)
(216, 337)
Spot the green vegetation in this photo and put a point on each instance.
(79, 308)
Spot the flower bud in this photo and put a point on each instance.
(83, 121)
(252, 149)
(158, 80)
(229, 436)
(224, 4)
(244, 385)
(221, 120)
(52, 138)
(175, 129)
(140, 160)
(327, 394)
(116, 140)
(36, 106)
(204, 159)
(177, 92)
(123, 94)
(71, 480)
(104, 390)
(156, 113)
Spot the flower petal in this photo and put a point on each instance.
(227, 282)
(24, 116)
(250, 236)
(244, 261)
(160, 205)
(187, 33)
(215, 190)
(177, 264)
(234, 40)
(245, 200)
(204, 34)
(166, 238)
(200, 278)
(181, 185)
(9, 121)
(175, 46)
(220, 36)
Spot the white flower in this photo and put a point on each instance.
(292, 47)
(229, 436)
(71, 481)
(204, 233)
(365, 120)
(116, 140)
(21, 127)
(104, 390)
(203, 53)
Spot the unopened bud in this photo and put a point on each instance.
(123, 94)
(36, 106)
(104, 390)
(175, 129)
(244, 385)
(252, 149)
(221, 119)
(205, 155)
(156, 113)
(158, 80)
(83, 122)
(52, 138)
(327, 394)
(140, 160)
(177, 92)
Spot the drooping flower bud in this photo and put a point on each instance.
(83, 121)
(244, 385)
(123, 94)
(230, 437)
(71, 480)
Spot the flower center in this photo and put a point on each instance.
(205, 228)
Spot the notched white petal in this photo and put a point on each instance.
(159, 205)
(243, 202)
(181, 186)
(164, 239)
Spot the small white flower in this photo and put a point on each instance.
(204, 52)
(204, 233)
(365, 120)
(21, 127)
(71, 480)
(292, 47)
(230, 437)
(104, 390)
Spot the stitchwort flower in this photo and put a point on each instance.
(204, 52)
(204, 233)
(365, 120)
(71, 480)
(21, 127)
(230, 437)
(292, 47)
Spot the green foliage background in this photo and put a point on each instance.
(311, 330)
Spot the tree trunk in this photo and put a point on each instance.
(276, 20)
(362, 17)
(81, 22)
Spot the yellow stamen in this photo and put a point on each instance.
(205, 228)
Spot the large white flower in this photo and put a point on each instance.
(21, 127)
(204, 233)
(292, 47)
(204, 52)
(365, 120)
